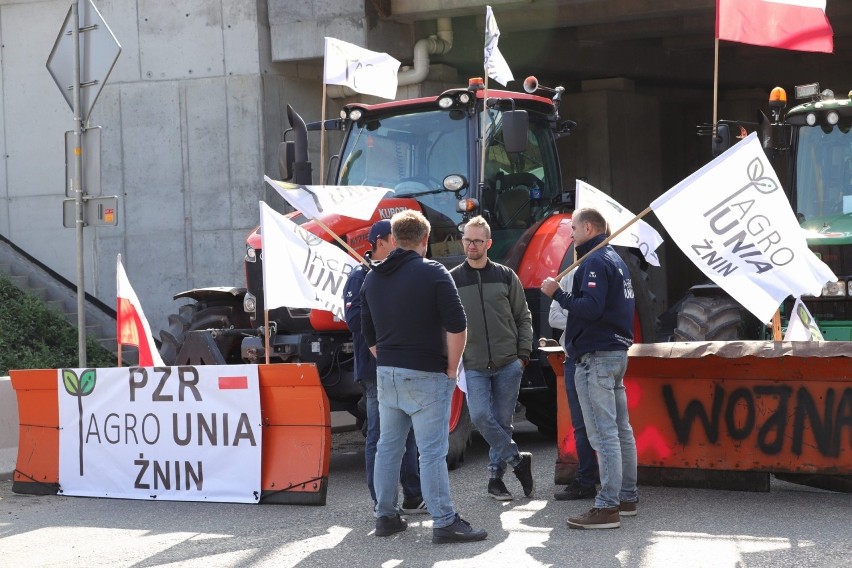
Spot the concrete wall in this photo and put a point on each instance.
(190, 121)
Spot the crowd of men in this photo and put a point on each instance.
(416, 326)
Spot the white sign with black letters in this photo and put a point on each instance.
(171, 433)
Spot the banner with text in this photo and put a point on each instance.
(169, 433)
(734, 222)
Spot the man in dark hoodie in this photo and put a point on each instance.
(365, 372)
(415, 325)
(598, 332)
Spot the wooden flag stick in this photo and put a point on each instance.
(776, 326)
(484, 127)
(322, 137)
(266, 333)
(343, 243)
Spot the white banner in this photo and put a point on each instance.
(639, 235)
(495, 64)
(356, 201)
(360, 69)
(167, 433)
(733, 220)
(802, 326)
(300, 270)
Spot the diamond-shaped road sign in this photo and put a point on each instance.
(99, 51)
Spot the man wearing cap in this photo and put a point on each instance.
(365, 373)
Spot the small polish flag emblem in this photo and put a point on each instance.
(231, 383)
(593, 284)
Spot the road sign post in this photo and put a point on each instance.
(84, 53)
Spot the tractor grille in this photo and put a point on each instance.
(292, 319)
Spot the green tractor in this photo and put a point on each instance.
(810, 148)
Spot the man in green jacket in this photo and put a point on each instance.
(498, 347)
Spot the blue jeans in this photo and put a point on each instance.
(418, 399)
(587, 462)
(409, 472)
(491, 399)
(600, 387)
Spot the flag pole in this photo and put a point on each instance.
(776, 325)
(484, 124)
(343, 243)
(603, 243)
(266, 332)
(715, 85)
(118, 302)
(322, 136)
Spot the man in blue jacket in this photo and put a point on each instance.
(598, 332)
(365, 373)
(415, 325)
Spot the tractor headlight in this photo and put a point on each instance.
(249, 303)
(838, 288)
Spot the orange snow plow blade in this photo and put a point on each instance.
(739, 407)
(296, 447)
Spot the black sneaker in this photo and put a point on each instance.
(459, 531)
(386, 526)
(523, 471)
(574, 491)
(497, 490)
(416, 506)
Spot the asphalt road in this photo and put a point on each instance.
(789, 526)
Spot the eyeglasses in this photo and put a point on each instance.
(475, 242)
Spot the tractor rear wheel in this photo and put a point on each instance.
(710, 318)
(201, 316)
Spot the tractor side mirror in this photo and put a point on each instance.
(516, 127)
(286, 157)
(721, 140)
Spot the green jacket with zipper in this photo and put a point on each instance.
(499, 324)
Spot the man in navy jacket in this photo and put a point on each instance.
(598, 332)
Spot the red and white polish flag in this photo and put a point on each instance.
(799, 25)
(131, 326)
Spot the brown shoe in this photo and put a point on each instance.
(597, 519)
(628, 508)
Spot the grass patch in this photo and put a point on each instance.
(33, 336)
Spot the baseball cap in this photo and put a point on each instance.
(379, 230)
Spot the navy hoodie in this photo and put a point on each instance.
(600, 305)
(408, 303)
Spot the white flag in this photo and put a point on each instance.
(300, 270)
(639, 235)
(802, 326)
(360, 69)
(732, 220)
(495, 64)
(357, 201)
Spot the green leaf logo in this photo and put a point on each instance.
(87, 382)
(79, 386)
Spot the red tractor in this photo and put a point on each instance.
(429, 152)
